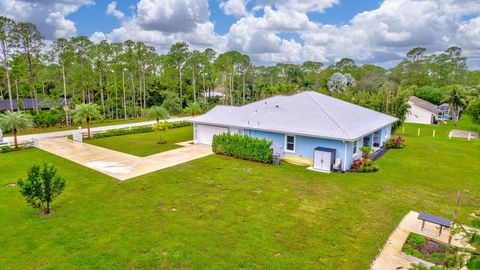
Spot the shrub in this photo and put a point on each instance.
(172, 103)
(6, 149)
(365, 165)
(395, 143)
(416, 238)
(436, 258)
(476, 223)
(409, 250)
(242, 147)
(49, 118)
(136, 130)
(366, 151)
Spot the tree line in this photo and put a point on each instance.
(125, 79)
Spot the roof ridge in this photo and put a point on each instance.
(328, 115)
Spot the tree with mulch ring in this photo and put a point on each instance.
(41, 186)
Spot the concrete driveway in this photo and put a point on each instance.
(120, 165)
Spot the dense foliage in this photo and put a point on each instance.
(136, 130)
(242, 147)
(396, 142)
(125, 79)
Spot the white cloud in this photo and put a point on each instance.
(299, 5)
(171, 16)
(112, 10)
(49, 16)
(235, 7)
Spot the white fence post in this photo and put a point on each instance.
(450, 135)
(434, 133)
(418, 133)
(403, 130)
(469, 136)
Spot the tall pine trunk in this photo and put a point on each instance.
(124, 97)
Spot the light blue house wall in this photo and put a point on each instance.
(304, 145)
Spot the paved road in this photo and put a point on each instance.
(66, 133)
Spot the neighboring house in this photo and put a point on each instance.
(31, 104)
(445, 113)
(421, 111)
(308, 124)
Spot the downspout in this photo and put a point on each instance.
(345, 157)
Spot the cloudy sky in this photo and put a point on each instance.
(269, 31)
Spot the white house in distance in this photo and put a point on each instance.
(309, 124)
(421, 111)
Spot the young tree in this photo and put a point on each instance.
(41, 186)
(7, 41)
(158, 112)
(86, 113)
(193, 108)
(14, 122)
(162, 128)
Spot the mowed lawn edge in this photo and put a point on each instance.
(145, 144)
(219, 212)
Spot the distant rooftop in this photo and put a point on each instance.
(424, 104)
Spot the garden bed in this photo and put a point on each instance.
(431, 251)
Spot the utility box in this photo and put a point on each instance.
(275, 160)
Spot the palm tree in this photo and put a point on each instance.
(158, 112)
(456, 100)
(86, 113)
(15, 121)
(193, 108)
(162, 128)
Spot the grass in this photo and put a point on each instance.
(232, 214)
(145, 144)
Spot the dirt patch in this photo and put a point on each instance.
(43, 214)
(456, 133)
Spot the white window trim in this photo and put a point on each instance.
(355, 148)
(294, 143)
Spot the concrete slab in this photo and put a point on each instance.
(456, 133)
(390, 257)
(119, 165)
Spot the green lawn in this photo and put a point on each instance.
(145, 144)
(234, 214)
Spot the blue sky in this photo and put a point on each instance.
(269, 31)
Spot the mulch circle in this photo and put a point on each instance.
(43, 215)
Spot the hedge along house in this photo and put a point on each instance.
(308, 124)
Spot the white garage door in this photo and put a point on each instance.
(205, 133)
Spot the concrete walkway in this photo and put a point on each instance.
(66, 133)
(120, 165)
(390, 257)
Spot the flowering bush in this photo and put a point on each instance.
(364, 165)
(395, 143)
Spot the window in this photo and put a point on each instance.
(290, 143)
(355, 147)
(366, 141)
(376, 139)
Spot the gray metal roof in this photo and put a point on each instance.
(308, 113)
(424, 104)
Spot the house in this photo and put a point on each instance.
(31, 104)
(309, 124)
(446, 113)
(421, 111)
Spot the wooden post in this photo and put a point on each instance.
(423, 224)
(440, 232)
